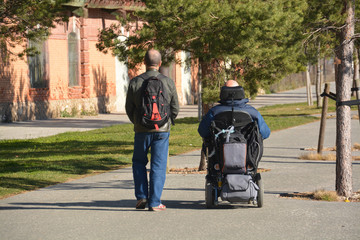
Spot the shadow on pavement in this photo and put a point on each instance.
(129, 205)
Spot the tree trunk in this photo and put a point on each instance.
(322, 83)
(205, 108)
(200, 109)
(324, 71)
(357, 77)
(343, 114)
(318, 79)
(356, 69)
(205, 70)
(336, 67)
(318, 82)
(308, 86)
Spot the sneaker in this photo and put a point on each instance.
(159, 208)
(141, 204)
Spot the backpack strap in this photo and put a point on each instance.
(143, 78)
(163, 77)
(146, 76)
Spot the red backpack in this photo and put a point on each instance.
(155, 111)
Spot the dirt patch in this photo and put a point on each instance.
(328, 156)
(356, 147)
(323, 157)
(196, 170)
(186, 171)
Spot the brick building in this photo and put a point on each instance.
(71, 76)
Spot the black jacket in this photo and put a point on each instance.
(133, 101)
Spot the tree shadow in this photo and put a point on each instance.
(187, 120)
(317, 162)
(68, 158)
(101, 89)
(78, 160)
(20, 102)
(25, 184)
(113, 184)
(8, 77)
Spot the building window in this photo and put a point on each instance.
(38, 72)
(73, 53)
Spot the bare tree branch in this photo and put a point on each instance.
(192, 39)
(356, 36)
(321, 29)
(213, 16)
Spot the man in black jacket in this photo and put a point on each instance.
(145, 138)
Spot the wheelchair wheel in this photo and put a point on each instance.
(209, 195)
(260, 197)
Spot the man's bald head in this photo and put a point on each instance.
(231, 83)
(152, 58)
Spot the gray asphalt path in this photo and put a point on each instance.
(102, 206)
(291, 96)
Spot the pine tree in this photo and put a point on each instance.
(255, 42)
(22, 20)
(336, 18)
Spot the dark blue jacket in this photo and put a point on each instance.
(204, 127)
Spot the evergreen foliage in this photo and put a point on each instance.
(323, 22)
(334, 22)
(27, 19)
(255, 42)
(357, 28)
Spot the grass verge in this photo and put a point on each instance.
(322, 195)
(328, 156)
(31, 164)
(323, 157)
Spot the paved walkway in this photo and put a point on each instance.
(102, 206)
(43, 128)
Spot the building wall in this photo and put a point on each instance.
(102, 79)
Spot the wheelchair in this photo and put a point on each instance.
(233, 153)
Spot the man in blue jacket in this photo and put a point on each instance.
(226, 105)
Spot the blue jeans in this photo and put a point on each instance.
(159, 143)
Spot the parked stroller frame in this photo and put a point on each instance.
(233, 153)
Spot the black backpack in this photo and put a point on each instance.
(155, 109)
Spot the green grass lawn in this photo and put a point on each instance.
(283, 116)
(32, 164)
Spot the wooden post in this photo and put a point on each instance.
(308, 86)
(356, 83)
(323, 120)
